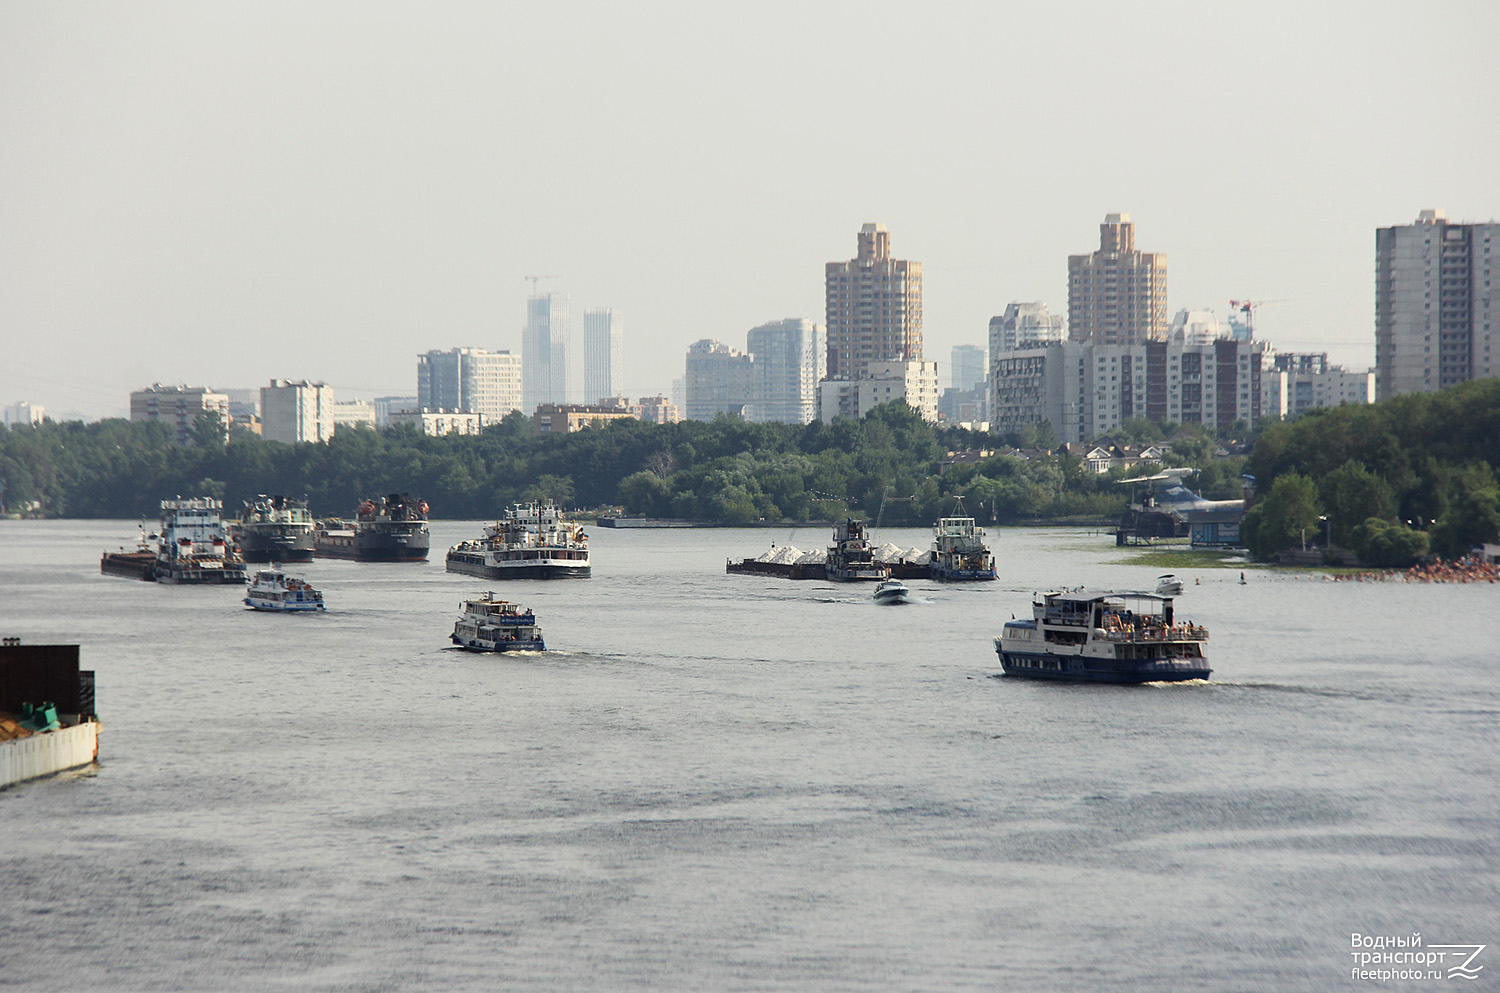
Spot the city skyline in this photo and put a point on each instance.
(176, 214)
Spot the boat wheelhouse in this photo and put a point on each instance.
(959, 553)
(1106, 637)
(488, 624)
(850, 557)
(530, 541)
(275, 591)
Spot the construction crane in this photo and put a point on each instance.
(536, 279)
(1247, 307)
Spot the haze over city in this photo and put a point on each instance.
(219, 195)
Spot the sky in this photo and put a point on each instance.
(222, 193)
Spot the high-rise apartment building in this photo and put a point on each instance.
(603, 354)
(472, 379)
(878, 383)
(967, 368)
(180, 407)
(1117, 295)
(719, 380)
(786, 357)
(1025, 325)
(24, 413)
(296, 411)
(544, 351)
(1087, 390)
(874, 307)
(1436, 317)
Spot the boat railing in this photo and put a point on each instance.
(1156, 632)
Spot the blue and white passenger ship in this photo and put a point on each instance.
(491, 625)
(1103, 638)
(275, 591)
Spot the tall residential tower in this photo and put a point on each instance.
(1435, 321)
(603, 354)
(1117, 295)
(874, 307)
(544, 351)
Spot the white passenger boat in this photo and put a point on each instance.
(1168, 585)
(891, 591)
(1103, 638)
(274, 590)
(491, 625)
(531, 541)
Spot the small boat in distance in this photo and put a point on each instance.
(491, 625)
(273, 590)
(891, 591)
(1168, 585)
(1103, 638)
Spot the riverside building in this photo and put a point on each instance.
(1436, 314)
(473, 379)
(179, 407)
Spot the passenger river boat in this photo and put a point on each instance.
(273, 590)
(530, 541)
(487, 624)
(1103, 637)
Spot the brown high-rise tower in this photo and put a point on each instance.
(1117, 295)
(874, 307)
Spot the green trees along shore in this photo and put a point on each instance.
(1391, 480)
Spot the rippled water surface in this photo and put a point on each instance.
(720, 782)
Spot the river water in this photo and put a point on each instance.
(719, 782)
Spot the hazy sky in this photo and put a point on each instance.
(221, 193)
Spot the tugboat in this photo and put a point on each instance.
(391, 528)
(892, 591)
(193, 548)
(491, 625)
(274, 590)
(274, 529)
(1103, 638)
(531, 541)
(959, 553)
(850, 558)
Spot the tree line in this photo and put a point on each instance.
(1392, 481)
(888, 465)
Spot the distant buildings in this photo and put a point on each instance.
(785, 359)
(23, 413)
(565, 418)
(1299, 382)
(1117, 295)
(1025, 325)
(472, 379)
(874, 311)
(967, 396)
(439, 421)
(349, 414)
(544, 351)
(603, 354)
(967, 367)
(180, 407)
(385, 406)
(296, 411)
(1436, 317)
(719, 380)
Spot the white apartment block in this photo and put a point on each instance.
(1026, 325)
(1297, 382)
(1087, 390)
(294, 411)
(24, 413)
(915, 382)
(786, 357)
(719, 380)
(352, 414)
(180, 407)
(439, 422)
(1437, 316)
(473, 379)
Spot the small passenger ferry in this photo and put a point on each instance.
(532, 541)
(491, 625)
(274, 590)
(1103, 638)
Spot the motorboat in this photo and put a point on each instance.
(892, 591)
(1168, 585)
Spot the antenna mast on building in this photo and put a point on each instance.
(536, 279)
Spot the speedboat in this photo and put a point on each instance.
(1168, 585)
(892, 591)
(274, 590)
